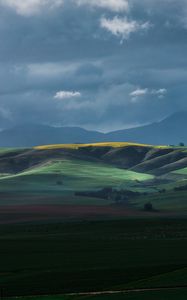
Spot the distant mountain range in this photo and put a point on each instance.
(171, 130)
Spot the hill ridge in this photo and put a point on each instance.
(170, 130)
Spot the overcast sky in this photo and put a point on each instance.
(98, 64)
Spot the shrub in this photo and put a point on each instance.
(148, 206)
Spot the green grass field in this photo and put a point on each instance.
(179, 277)
(92, 256)
(168, 201)
(75, 175)
(11, 150)
(181, 171)
(158, 295)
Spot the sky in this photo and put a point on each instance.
(98, 64)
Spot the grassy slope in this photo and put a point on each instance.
(84, 175)
(75, 175)
(9, 150)
(181, 171)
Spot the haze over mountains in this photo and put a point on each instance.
(171, 130)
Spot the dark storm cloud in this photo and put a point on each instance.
(141, 47)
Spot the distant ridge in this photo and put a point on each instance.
(171, 130)
(30, 135)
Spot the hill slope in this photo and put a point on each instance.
(89, 157)
(100, 173)
(155, 160)
(72, 175)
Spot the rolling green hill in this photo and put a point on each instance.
(68, 168)
(75, 175)
(181, 171)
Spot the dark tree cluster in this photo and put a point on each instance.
(181, 144)
(117, 196)
(148, 206)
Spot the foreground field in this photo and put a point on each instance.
(92, 256)
(146, 295)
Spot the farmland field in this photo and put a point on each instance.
(148, 295)
(91, 256)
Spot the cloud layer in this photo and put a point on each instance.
(70, 50)
(31, 7)
(113, 5)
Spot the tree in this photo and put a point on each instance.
(181, 144)
(148, 206)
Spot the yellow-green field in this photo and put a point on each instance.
(106, 144)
